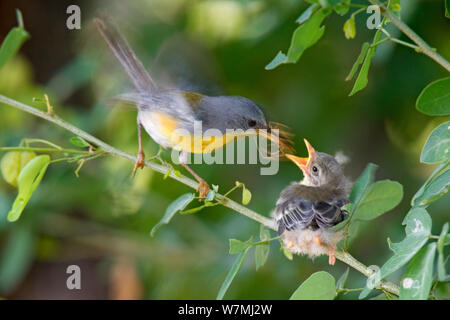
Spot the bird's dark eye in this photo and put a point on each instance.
(314, 169)
(251, 123)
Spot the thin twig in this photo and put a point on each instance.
(269, 223)
(424, 47)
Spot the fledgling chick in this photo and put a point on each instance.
(307, 209)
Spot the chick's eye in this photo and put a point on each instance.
(251, 123)
(314, 169)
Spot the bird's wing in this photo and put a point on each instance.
(300, 213)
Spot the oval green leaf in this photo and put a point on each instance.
(29, 178)
(319, 286)
(418, 276)
(381, 197)
(13, 41)
(437, 147)
(434, 100)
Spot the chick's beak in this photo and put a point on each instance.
(304, 163)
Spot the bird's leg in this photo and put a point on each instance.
(331, 257)
(203, 187)
(140, 161)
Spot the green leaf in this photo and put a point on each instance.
(237, 246)
(280, 58)
(307, 13)
(287, 253)
(418, 276)
(319, 286)
(434, 100)
(232, 273)
(12, 163)
(381, 197)
(307, 35)
(342, 280)
(262, 250)
(13, 41)
(79, 142)
(246, 196)
(442, 290)
(359, 60)
(437, 147)
(433, 190)
(179, 204)
(362, 183)
(29, 178)
(442, 168)
(440, 249)
(349, 28)
(418, 228)
(361, 80)
(211, 195)
(16, 257)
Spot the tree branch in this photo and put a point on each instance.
(424, 47)
(269, 223)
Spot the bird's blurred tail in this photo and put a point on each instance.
(123, 52)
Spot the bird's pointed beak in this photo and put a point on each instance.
(304, 163)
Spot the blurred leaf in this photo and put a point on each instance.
(179, 204)
(279, 59)
(343, 279)
(437, 147)
(232, 273)
(418, 276)
(359, 60)
(319, 286)
(16, 257)
(305, 36)
(442, 290)
(439, 170)
(237, 246)
(395, 7)
(447, 8)
(12, 163)
(418, 228)
(262, 250)
(361, 80)
(246, 196)
(434, 100)
(343, 7)
(349, 28)
(433, 190)
(381, 197)
(287, 253)
(307, 13)
(79, 142)
(13, 41)
(29, 178)
(440, 249)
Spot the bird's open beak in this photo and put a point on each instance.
(304, 163)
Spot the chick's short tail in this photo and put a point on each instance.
(123, 52)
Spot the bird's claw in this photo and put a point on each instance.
(203, 189)
(140, 161)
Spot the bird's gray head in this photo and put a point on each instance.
(320, 169)
(233, 112)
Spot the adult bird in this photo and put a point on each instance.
(307, 209)
(170, 116)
